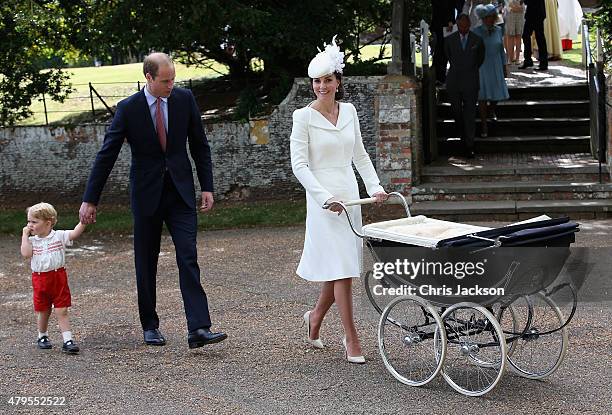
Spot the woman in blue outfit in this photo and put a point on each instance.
(493, 71)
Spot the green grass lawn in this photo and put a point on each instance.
(372, 51)
(574, 55)
(115, 82)
(225, 215)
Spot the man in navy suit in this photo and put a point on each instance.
(466, 52)
(534, 22)
(158, 123)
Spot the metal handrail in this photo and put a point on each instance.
(593, 66)
(588, 53)
(586, 45)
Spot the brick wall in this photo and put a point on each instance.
(251, 160)
(399, 155)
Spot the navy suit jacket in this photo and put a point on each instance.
(463, 74)
(536, 10)
(442, 12)
(133, 122)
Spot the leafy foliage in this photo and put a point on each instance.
(33, 36)
(282, 35)
(603, 20)
(275, 38)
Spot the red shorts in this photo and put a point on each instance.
(51, 288)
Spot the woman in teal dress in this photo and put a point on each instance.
(493, 86)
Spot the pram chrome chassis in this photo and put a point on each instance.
(471, 343)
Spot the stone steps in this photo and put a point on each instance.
(518, 144)
(578, 91)
(510, 210)
(507, 190)
(478, 173)
(519, 127)
(534, 119)
(537, 109)
(536, 160)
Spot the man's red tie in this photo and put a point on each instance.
(159, 125)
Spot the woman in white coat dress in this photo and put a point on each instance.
(325, 141)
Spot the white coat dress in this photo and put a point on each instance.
(321, 156)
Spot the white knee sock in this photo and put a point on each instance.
(42, 334)
(67, 335)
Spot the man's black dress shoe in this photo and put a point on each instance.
(154, 337)
(201, 337)
(542, 68)
(526, 64)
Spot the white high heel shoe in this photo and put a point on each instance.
(316, 343)
(352, 359)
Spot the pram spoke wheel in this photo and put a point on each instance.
(540, 350)
(379, 302)
(411, 340)
(476, 349)
(508, 320)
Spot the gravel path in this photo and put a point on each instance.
(265, 367)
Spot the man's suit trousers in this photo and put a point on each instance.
(181, 221)
(536, 26)
(463, 105)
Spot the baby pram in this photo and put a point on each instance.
(432, 326)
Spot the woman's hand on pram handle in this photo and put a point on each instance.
(381, 197)
(334, 205)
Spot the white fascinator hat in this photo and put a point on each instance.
(326, 62)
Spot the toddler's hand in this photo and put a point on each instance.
(26, 231)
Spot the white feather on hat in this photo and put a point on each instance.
(326, 62)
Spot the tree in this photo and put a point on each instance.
(32, 33)
(603, 20)
(283, 35)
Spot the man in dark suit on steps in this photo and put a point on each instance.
(158, 123)
(534, 22)
(442, 18)
(465, 51)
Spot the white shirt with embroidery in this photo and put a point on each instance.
(48, 252)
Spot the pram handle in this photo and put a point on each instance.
(366, 201)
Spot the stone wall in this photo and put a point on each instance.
(251, 160)
(609, 119)
(53, 163)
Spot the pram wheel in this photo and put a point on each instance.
(411, 340)
(509, 322)
(476, 349)
(379, 302)
(540, 350)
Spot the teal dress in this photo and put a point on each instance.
(493, 85)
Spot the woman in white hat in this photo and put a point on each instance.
(325, 142)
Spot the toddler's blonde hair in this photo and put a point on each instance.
(43, 211)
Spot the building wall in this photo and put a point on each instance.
(250, 159)
(609, 119)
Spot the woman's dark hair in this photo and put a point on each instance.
(340, 93)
